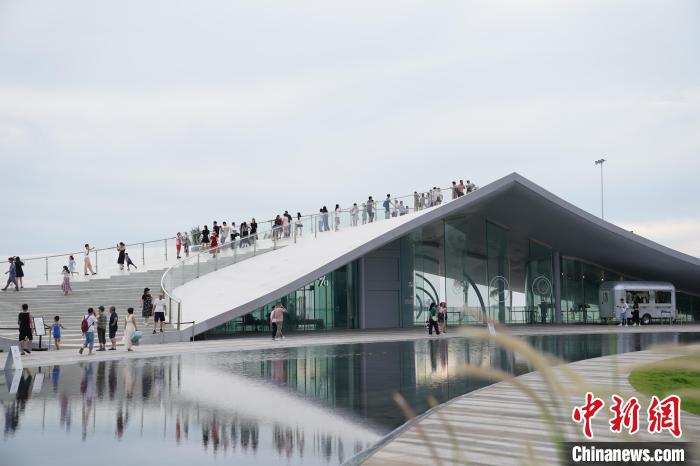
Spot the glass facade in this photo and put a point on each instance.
(329, 302)
(479, 268)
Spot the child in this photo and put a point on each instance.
(72, 266)
(129, 262)
(57, 333)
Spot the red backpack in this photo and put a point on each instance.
(84, 325)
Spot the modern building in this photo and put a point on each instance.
(510, 251)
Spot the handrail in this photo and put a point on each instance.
(330, 223)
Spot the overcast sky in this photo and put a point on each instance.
(131, 120)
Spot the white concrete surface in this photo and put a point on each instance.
(240, 288)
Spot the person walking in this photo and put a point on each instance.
(433, 319)
(354, 214)
(146, 305)
(65, 286)
(26, 329)
(287, 224)
(113, 326)
(215, 226)
(363, 210)
(12, 274)
(121, 257)
(621, 309)
(325, 215)
(205, 239)
(253, 229)
(88, 329)
(129, 329)
(186, 244)
(416, 201)
(56, 332)
(214, 245)
(87, 263)
(161, 306)
(129, 262)
(454, 190)
(102, 328)
(72, 266)
(277, 228)
(178, 243)
(442, 317)
(277, 321)
(387, 206)
(298, 225)
(370, 209)
(18, 271)
(244, 235)
(224, 233)
(460, 188)
(336, 217)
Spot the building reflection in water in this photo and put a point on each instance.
(155, 399)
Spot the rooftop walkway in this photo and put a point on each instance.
(501, 425)
(259, 342)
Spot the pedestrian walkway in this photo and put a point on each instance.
(300, 339)
(501, 425)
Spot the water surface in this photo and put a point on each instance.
(313, 405)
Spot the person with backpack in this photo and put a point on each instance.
(370, 209)
(88, 328)
(433, 319)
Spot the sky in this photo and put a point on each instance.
(131, 120)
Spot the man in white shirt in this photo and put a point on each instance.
(159, 306)
(621, 309)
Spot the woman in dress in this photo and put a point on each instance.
(26, 327)
(129, 328)
(147, 305)
(87, 264)
(20, 272)
(65, 286)
(121, 249)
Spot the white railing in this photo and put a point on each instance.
(271, 238)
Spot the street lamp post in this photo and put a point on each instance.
(602, 209)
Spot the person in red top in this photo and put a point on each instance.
(214, 244)
(178, 243)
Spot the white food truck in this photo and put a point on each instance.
(657, 300)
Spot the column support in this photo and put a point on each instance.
(556, 284)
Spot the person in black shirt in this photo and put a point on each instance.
(113, 325)
(26, 325)
(216, 228)
(205, 238)
(253, 229)
(19, 271)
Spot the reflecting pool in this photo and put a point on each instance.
(312, 405)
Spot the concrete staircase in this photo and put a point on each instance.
(47, 301)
